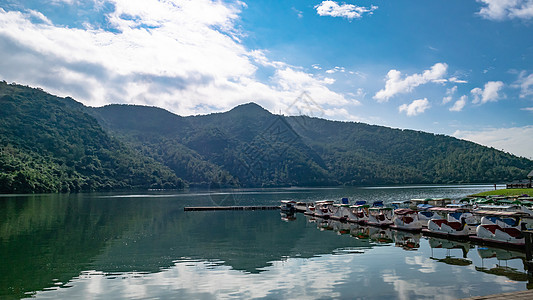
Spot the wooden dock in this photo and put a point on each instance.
(216, 208)
(513, 295)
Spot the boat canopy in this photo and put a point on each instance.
(325, 202)
(378, 203)
(425, 201)
(459, 205)
(380, 208)
(484, 201)
(498, 207)
(360, 206)
(448, 209)
(288, 201)
(424, 206)
(345, 201)
(360, 202)
(504, 201)
(501, 213)
(404, 211)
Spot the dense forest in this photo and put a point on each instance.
(53, 144)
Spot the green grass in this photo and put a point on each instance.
(506, 192)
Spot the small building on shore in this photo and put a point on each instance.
(522, 184)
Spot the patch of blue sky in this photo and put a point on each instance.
(78, 14)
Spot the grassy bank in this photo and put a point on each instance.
(506, 192)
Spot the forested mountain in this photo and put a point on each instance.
(252, 147)
(53, 144)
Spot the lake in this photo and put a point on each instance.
(143, 245)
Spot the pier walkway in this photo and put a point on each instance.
(204, 208)
(513, 295)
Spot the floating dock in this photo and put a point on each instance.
(513, 295)
(208, 208)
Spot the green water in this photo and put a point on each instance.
(143, 245)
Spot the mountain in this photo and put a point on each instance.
(51, 144)
(358, 153)
(249, 146)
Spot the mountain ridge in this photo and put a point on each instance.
(247, 146)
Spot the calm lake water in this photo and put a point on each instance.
(143, 245)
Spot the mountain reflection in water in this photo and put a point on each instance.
(115, 246)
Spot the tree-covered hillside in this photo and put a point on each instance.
(252, 147)
(247, 146)
(358, 153)
(51, 144)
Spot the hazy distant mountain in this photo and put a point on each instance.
(50, 144)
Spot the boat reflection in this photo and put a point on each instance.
(502, 268)
(287, 216)
(380, 235)
(457, 253)
(438, 243)
(435, 242)
(406, 240)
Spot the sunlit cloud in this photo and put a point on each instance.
(184, 56)
(415, 108)
(459, 104)
(489, 93)
(395, 84)
(449, 95)
(525, 83)
(348, 11)
(506, 9)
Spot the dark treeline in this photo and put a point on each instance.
(52, 144)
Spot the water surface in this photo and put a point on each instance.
(143, 245)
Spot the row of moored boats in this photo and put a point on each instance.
(498, 220)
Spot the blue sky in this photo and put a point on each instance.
(458, 67)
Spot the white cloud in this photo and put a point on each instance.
(449, 95)
(289, 81)
(184, 56)
(490, 93)
(516, 140)
(415, 108)
(348, 11)
(506, 9)
(527, 109)
(58, 2)
(456, 80)
(395, 84)
(336, 69)
(299, 13)
(459, 104)
(526, 84)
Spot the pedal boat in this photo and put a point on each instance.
(459, 222)
(288, 206)
(359, 213)
(380, 216)
(501, 227)
(406, 219)
(323, 208)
